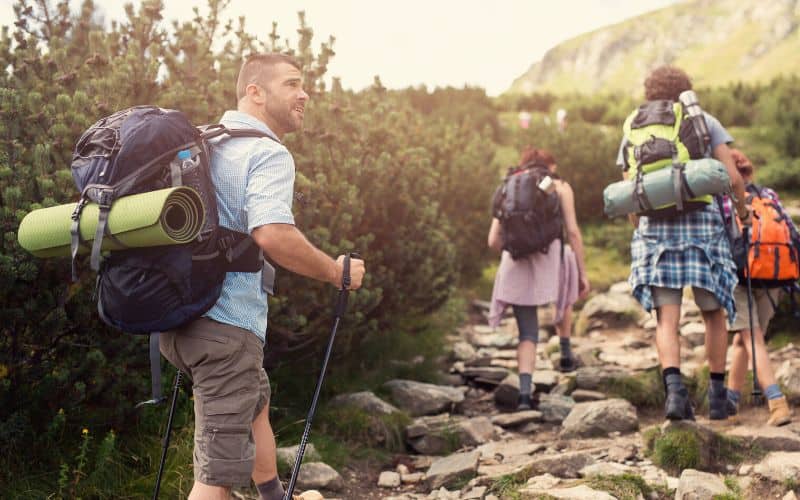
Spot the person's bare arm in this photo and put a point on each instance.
(567, 200)
(289, 248)
(495, 240)
(723, 153)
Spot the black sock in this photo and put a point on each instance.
(525, 384)
(566, 351)
(672, 379)
(271, 490)
(718, 384)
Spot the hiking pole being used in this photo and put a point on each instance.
(167, 433)
(341, 305)
(756, 387)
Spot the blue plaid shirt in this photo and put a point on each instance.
(254, 179)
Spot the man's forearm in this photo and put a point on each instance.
(290, 249)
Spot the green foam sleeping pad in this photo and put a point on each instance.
(169, 216)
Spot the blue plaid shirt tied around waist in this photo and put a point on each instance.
(691, 249)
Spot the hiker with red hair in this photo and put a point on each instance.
(554, 274)
(761, 310)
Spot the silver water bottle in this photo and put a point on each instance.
(689, 100)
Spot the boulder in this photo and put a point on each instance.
(609, 310)
(366, 401)
(780, 466)
(453, 468)
(418, 398)
(318, 475)
(788, 375)
(698, 485)
(599, 418)
(555, 408)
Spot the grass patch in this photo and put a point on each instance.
(732, 484)
(623, 486)
(355, 426)
(689, 446)
(676, 451)
(506, 487)
(642, 391)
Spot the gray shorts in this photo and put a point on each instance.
(763, 309)
(705, 300)
(230, 389)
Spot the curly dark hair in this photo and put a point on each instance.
(666, 82)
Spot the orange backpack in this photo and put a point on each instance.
(773, 258)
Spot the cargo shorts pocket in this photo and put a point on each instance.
(225, 444)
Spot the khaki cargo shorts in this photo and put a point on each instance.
(763, 310)
(230, 389)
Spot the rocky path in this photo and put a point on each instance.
(596, 433)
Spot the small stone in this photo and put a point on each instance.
(389, 479)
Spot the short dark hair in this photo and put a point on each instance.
(255, 69)
(666, 82)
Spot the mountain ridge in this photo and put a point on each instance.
(715, 41)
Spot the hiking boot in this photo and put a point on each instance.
(524, 402)
(779, 413)
(732, 408)
(717, 405)
(567, 364)
(309, 495)
(677, 406)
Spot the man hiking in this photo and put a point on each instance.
(673, 250)
(222, 352)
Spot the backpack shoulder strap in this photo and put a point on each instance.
(211, 131)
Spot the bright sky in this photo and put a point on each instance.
(412, 42)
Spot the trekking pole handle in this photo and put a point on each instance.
(341, 301)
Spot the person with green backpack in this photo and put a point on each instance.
(683, 244)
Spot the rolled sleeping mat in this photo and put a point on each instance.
(169, 216)
(704, 177)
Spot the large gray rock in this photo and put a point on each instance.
(599, 418)
(768, 438)
(438, 434)
(318, 475)
(516, 419)
(418, 398)
(453, 468)
(288, 454)
(580, 492)
(366, 401)
(596, 378)
(564, 465)
(506, 394)
(555, 408)
(788, 375)
(698, 485)
(463, 351)
(609, 310)
(545, 380)
(780, 466)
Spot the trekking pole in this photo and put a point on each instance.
(341, 305)
(167, 433)
(756, 387)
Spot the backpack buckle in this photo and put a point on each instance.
(105, 197)
(76, 214)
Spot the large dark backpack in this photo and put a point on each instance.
(145, 148)
(530, 217)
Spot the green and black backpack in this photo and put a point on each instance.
(661, 134)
